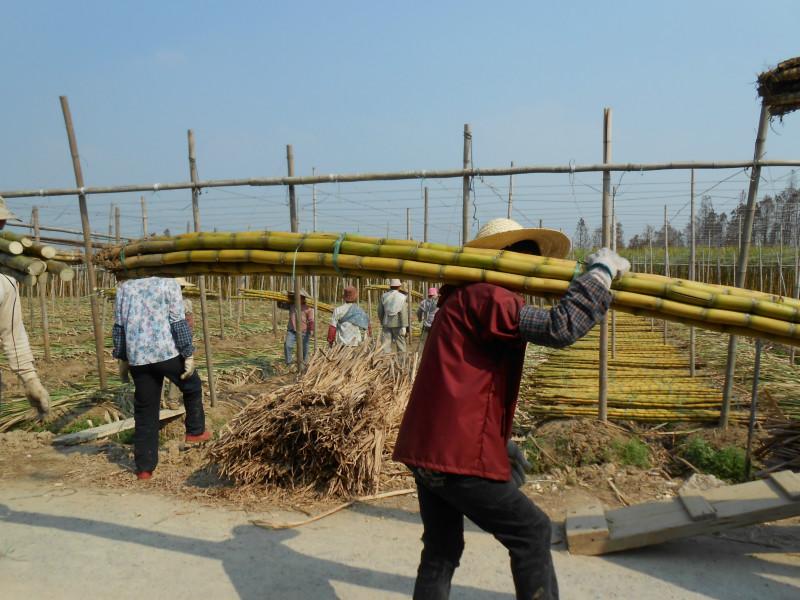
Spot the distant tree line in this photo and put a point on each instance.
(776, 220)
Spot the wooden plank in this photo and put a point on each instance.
(696, 505)
(95, 433)
(656, 522)
(586, 528)
(788, 482)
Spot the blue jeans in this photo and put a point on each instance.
(289, 345)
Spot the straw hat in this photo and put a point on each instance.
(501, 233)
(5, 214)
(303, 293)
(350, 294)
(181, 281)
(394, 283)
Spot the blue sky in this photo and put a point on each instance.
(364, 86)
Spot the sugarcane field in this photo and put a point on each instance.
(285, 318)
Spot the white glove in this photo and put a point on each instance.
(188, 367)
(605, 265)
(402, 331)
(124, 371)
(38, 397)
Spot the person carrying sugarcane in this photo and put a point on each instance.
(393, 316)
(15, 338)
(426, 311)
(349, 323)
(455, 434)
(153, 341)
(306, 326)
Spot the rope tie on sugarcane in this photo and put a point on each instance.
(337, 246)
(578, 271)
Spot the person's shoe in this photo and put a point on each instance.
(144, 475)
(201, 437)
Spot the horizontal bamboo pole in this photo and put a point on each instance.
(24, 264)
(398, 175)
(260, 261)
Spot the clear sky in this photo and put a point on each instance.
(365, 86)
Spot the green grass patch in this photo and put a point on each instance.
(124, 437)
(726, 463)
(631, 452)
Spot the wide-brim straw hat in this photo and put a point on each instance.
(5, 214)
(501, 233)
(182, 281)
(303, 293)
(395, 283)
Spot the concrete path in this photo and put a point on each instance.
(65, 543)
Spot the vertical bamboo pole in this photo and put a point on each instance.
(117, 236)
(613, 312)
(219, 306)
(425, 221)
(315, 278)
(465, 195)
(409, 284)
(274, 308)
(144, 216)
(201, 280)
(510, 193)
(753, 407)
(792, 352)
(295, 225)
(606, 242)
(744, 255)
(692, 261)
(41, 289)
(87, 240)
(666, 258)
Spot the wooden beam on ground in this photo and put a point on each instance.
(696, 505)
(655, 522)
(109, 429)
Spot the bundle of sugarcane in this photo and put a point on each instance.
(382, 288)
(283, 297)
(27, 261)
(330, 433)
(189, 292)
(781, 449)
(779, 88)
(720, 308)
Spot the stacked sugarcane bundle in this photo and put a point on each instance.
(282, 297)
(29, 262)
(188, 292)
(331, 433)
(781, 449)
(383, 288)
(719, 308)
(780, 88)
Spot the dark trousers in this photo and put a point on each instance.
(148, 380)
(497, 507)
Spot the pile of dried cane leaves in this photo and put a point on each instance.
(329, 434)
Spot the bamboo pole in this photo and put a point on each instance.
(744, 255)
(145, 228)
(614, 248)
(87, 239)
(666, 258)
(510, 193)
(466, 185)
(409, 284)
(606, 240)
(298, 301)
(692, 270)
(42, 291)
(116, 225)
(425, 221)
(753, 407)
(201, 280)
(399, 176)
(796, 283)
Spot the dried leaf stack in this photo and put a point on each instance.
(331, 433)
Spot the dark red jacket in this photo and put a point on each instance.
(462, 404)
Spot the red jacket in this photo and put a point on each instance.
(462, 404)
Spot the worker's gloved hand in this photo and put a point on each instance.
(37, 395)
(606, 265)
(403, 331)
(188, 367)
(124, 371)
(519, 464)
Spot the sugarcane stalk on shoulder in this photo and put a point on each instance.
(22, 239)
